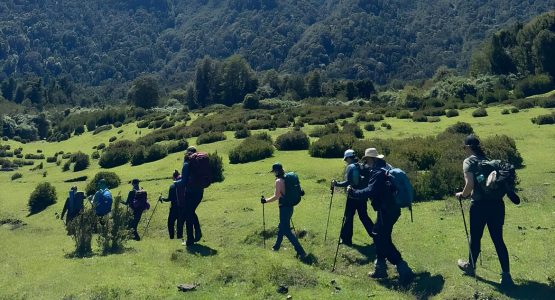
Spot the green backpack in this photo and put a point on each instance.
(293, 191)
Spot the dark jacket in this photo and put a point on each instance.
(377, 191)
(172, 196)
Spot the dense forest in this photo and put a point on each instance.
(66, 52)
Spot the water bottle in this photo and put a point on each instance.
(480, 178)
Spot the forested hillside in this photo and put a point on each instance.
(103, 45)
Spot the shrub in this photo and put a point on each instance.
(16, 176)
(116, 154)
(100, 146)
(514, 110)
(217, 167)
(434, 112)
(532, 85)
(460, 128)
(210, 137)
(111, 178)
(81, 161)
(324, 130)
(112, 139)
(548, 103)
(505, 111)
(43, 196)
(419, 117)
(155, 152)
(404, 114)
(386, 125)
(113, 230)
(331, 146)
(251, 149)
(77, 179)
(504, 148)
(138, 155)
(433, 119)
(293, 140)
(251, 101)
(451, 113)
(525, 104)
(102, 128)
(479, 113)
(91, 125)
(369, 127)
(174, 147)
(118, 124)
(95, 155)
(143, 124)
(79, 130)
(66, 166)
(544, 119)
(34, 156)
(263, 136)
(81, 230)
(242, 133)
(353, 129)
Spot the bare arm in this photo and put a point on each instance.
(280, 191)
(468, 185)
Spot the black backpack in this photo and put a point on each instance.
(293, 190)
(495, 178)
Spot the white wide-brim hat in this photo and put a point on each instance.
(373, 153)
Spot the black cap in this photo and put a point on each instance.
(471, 140)
(277, 167)
(135, 181)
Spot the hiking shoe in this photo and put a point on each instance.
(274, 248)
(405, 272)
(301, 256)
(380, 269)
(506, 280)
(466, 267)
(346, 242)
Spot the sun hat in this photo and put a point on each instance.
(348, 153)
(372, 153)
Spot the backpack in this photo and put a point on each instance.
(400, 185)
(104, 202)
(200, 172)
(140, 200)
(179, 189)
(494, 178)
(293, 190)
(76, 203)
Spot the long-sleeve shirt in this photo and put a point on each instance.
(381, 198)
(351, 176)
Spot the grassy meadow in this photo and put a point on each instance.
(230, 262)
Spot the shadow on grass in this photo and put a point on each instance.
(422, 287)
(202, 250)
(524, 289)
(367, 250)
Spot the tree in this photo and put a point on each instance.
(144, 92)
(314, 84)
(544, 52)
(238, 79)
(42, 125)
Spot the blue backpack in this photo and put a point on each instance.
(402, 189)
(103, 201)
(293, 190)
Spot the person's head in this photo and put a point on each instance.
(349, 156)
(175, 175)
(74, 188)
(102, 185)
(190, 151)
(135, 183)
(371, 156)
(277, 169)
(472, 145)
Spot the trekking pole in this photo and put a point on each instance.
(263, 226)
(468, 241)
(151, 215)
(332, 189)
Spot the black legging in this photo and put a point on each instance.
(351, 207)
(385, 249)
(492, 214)
(173, 215)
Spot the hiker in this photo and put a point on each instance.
(285, 212)
(73, 204)
(102, 200)
(484, 210)
(137, 202)
(388, 213)
(353, 205)
(173, 198)
(195, 164)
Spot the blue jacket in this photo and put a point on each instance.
(350, 177)
(376, 190)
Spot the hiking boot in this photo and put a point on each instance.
(466, 267)
(405, 272)
(346, 242)
(301, 256)
(506, 280)
(274, 248)
(380, 269)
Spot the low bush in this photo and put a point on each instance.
(514, 110)
(16, 176)
(419, 117)
(524, 104)
(217, 167)
(34, 156)
(504, 148)
(112, 139)
(100, 146)
(102, 128)
(77, 179)
(331, 146)
(263, 136)
(532, 85)
(111, 178)
(547, 102)
(404, 114)
(95, 155)
(66, 166)
(386, 125)
(51, 159)
(369, 127)
(324, 130)
(177, 146)
(81, 230)
(505, 111)
(118, 124)
(43, 196)
(460, 128)
(113, 230)
(79, 130)
(433, 112)
(433, 119)
(242, 133)
(251, 149)
(544, 119)
(81, 161)
(480, 113)
(450, 113)
(155, 152)
(210, 137)
(117, 154)
(353, 129)
(293, 140)
(369, 117)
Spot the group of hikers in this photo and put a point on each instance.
(371, 179)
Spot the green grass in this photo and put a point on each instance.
(231, 262)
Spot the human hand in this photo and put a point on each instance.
(262, 200)
(459, 195)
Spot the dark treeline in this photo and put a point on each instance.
(70, 53)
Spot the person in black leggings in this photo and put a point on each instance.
(483, 211)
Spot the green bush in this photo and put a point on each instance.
(43, 196)
(179, 146)
(111, 178)
(117, 154)
(155, 152)
(514, 110)
(460, 128)
(242, 133)
(324, 130)
(505, 111)
(34, 156)
(331, 146)
(480, 112)
(100, 146)
(102, 128)
(81, 230)
(16, 176)
(81, 161)
(91, 125)
(369, 127)
(263, 136)
(532, 85)
(404, 114)
(293, 140)
(547, 103)
(504, 148)
(51, 159)
(251, 149)
(66, 166)
(217, 167)
(544, 119)
(210, 137)
(138, 155)
(419, 117)
(95, 155)
(251, 101)
(433, 119)
(113, 230)
(525, 104)
(112, 139)
(79, 130)
(450, 113)
(353, 129)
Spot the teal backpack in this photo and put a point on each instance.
(293, 190)
(402, 189)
